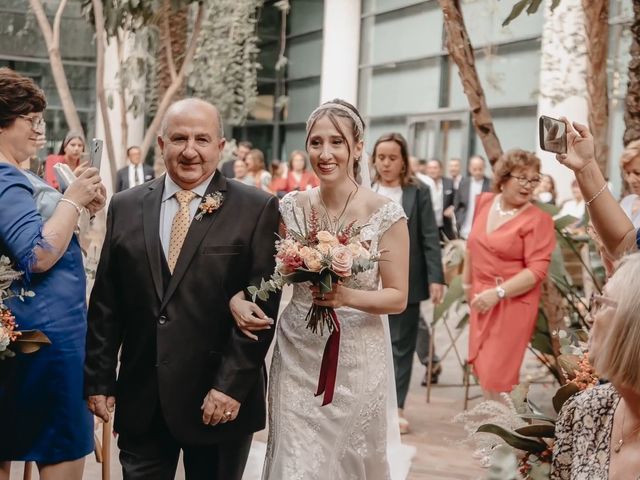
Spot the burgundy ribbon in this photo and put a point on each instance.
(329, 366)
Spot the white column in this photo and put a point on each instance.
(563, 86)
(135, 125)
(340, 50)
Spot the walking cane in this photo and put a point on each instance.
(106, 449)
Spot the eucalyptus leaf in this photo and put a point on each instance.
(514, 439)
(563, 394)
(517, 9)
(538, 430)
(31, 341)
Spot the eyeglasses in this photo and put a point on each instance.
(37, 123)
(525, 182)
(631, 174)
(597, 303)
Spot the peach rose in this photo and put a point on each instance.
(312, 258)
(341, 261)
(358, 250)
(326, 237)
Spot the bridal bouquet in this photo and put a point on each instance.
(321, 252)
(27, 341)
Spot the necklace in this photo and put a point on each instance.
(505, 213)
(620, 443)
(336, 219)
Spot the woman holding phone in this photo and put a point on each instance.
(70, 153)
(46, 417)
(615, 229)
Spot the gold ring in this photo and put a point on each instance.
(227, 414)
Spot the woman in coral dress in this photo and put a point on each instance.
(508, 254)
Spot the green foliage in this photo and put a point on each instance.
(514, 439)
(225, 66)
(531, 6)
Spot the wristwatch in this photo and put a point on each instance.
(502, 293)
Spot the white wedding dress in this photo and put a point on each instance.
(353, 437)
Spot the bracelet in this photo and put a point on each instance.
(73, 204)
(596, 195)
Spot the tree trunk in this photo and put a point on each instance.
(102, 97)
(177, 83)
(122, 93)
(632, 101)
(596, 14)
(52, 40)
(461, 51)
(173, 26)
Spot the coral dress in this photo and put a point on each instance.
(498, 339)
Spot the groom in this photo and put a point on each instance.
(176, 250)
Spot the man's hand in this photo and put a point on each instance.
(219, 408)
(436, 293)
(101, 406)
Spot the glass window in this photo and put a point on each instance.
(305, 56)
(305, 16)
(304, 97)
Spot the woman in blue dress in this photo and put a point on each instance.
(45, 417)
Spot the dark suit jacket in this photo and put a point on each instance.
(425, 260)
(227, 169)
(177, 335)
(463, 199)
(448, 196)
(122, 177)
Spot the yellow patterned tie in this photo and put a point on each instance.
(179, 227)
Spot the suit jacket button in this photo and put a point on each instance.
(162, 320)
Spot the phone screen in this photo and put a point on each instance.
(95, 154)
(553, 135)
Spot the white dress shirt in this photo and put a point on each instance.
(475, 189)
(132, 175)
(438, 202)
(170, 207)
(392, 193)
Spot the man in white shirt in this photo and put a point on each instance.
(134, 174)
(443, 195)
(470, 187)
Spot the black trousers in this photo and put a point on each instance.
(154, 456)
(404, 331)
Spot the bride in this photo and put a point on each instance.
(348, 438)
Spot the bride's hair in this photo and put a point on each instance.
(342, 109)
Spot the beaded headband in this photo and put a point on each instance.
(331, 106)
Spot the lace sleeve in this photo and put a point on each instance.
(386, 216)
(288, 205)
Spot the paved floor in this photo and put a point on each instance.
(439, 455)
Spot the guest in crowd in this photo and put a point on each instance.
(241, 152)
(134, 174)
(70, 152)
(467, 193)
(257, 169)
(394, 180)
(423, 166)
(508, 254)
(46, 418)
(546, 191)
(630, 163)
(454, 168)
(241, 173)
(574, 207)
(598, 430)
(299, 177)
(443, 196)
(278, 185)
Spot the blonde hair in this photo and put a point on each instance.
(618, 358)
(510, 161)
(631, 152)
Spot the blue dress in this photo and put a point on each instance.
(44, 414)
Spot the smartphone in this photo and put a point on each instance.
(64, 175)
(553, 135)
(95, 154)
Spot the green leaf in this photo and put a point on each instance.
(564, 222)
(542, 342)
(264, 296)
(533, 7)
(252, 290)
(546, 207)
(538, 430)
(554, 4)
(537, 416)
(517, 9)
(326, 282)
(514, 439)
(463, 322)
(455, 293)
(563, 394)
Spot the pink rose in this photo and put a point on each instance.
(312, 259)
(341, 261)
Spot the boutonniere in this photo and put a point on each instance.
(210, 203)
